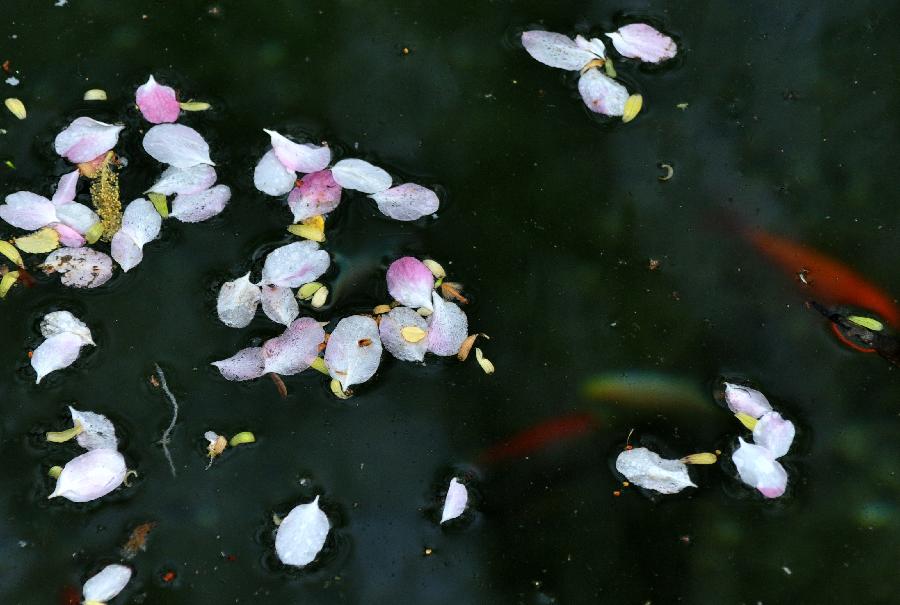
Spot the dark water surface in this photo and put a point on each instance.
(549, 216)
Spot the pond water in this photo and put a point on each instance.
(550, 217)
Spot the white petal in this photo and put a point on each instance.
(85, 139)
(27, 210)
(648, 470)
(295, 264)
(744, 400)
(90, 476)
(555, 50)
(448, 327)
(80, 267)
(758, 468)
(302, 534)
(361, 175)
(107, 584)
(77, 216)
(196, 207)
(176, 144)
(594, 45)
(246, 364)
(125, 251)
(141, 221)
(295, 349)
(55, 353)
(63, 322)
(97, 432)
(455, 503)
(271, 177)
(353, 352)
(299, 157)
(641, 41)
(279, 304)
(185, 180)
(407, 202)
(774, 433)
(389, 329)
(601, 93)
(237, 302)
(65, 190)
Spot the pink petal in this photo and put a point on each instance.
(107, 584)
(389, 330)
(640, 41)
(353, 352)
(758, 468)
(237, 302)
(68, 236)
(448, 327)
(126, 251)
(196, 207)
(361, 176)
(455, 502)
(410, 282)
(295, 264)
(141, 221)
(85, 139)
(80, 267)
(246, 364)
(271, 177)
(407, 202)
(27, 210)
(279, 304)
(65, 190)
(157, 103)
(556, 50)
(185, 180)
(90, 476)
(741, 399)
(77, 216)
(55, 353)
(295, 349)
(318, 193)
(601, 93)
(299, 157)
(177, 145)
(774, 433)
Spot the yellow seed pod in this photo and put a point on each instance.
(16, 107)
(39, 242)
(160, 203)
(319, 298)
(10, 252)
(466, 347)
(63, 436)
(632, 108)
(484, 362)
(701, 458)
(7, 282)
(338, 391)
(317, 221)
(423, 312)
(194, 106)
(93, 233)
(435, 267)
(55, 472)
(242, 438)
(866, 322)
(319, 365)
(381, 309)
(307, 232)
(412, 334)
(747, 420)
(95, 94)
(306, 291)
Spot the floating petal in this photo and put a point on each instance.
(318, 193)
(407, 202)
(68, 236)
(295, 264)
(353, 351)
(299, 157)
(126, 251)
(177, 145)
(80, 267)
(296, 349)
(302, 534)
(410, 282)
(27, 210)
(77, 216)
(65, 190)
(185, 180)
(601, 93)
(746, 400)
(640, 41)
(237, 302)
(41, 241)
(55, 353)
(774, 433)
(141, 221)
(97, 432)
(650, 471)
(107, 584)
(246, 364)
(455, 502)
(361, 176)
(196, 207)
(63, 322)
(86, 139)
(390, 329)
(279, 304)
(90, 476)
(758, 468)
(594, 46)
(556, 50)
(156, 102)
(448, 327)
(271, 177)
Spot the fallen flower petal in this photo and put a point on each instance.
(353, 352)
(16, 107)
(758, 468)
(63, 322)
(55, 353)
(601, 93)
(648, 470)
(80, 267)
(295, 264)
(299, 157)
(641, 41)
(41, 241)
(455, 502)
(8, 281)
(302, 534)
(746, 400)
(632, 108)
(85, 139)
(594, 46)
(97, 431)
(246, 364)
(407, 202)
(556, 50)
(65, 190)
(141, 224)
(184, 180)
(448, 327)
(237, 302)
(156, 102)
(271, 177)
(361, 176)
(10, 252)
(774, 433)
(391, 327)
(177, 145)
(279, 304)
(77, 216)
(69, 237)
(126, 251)
(410, 282)
(90, 476)
(317, 193)
(27, 210)
(196, 207)
(295, 349)
(106, 585)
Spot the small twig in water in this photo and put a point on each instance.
(164, 440)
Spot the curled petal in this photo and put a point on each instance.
(601, 93)
(361, 176)
(97, 431)
(80, 267)
(318, 193)
(650, 471)
(90, 476)
(455, 502)
(295, 349)
(65, 190)
(774, 433)
(594, 46)
(196, 207)
(295, 264)
(185, 180)
(758, 468)
(279, 304)
(27, 210)
(448, 327)
(299, 157)
(63, 322)
(156, 102)
(85, 139)
(107, 584)
(407, 202)
(353, 352)
(55, 353)
(68, 236)
(391, 337)
(410, 282)
(126, 251)
(741, 399)
(177, 145)
(271, 177)
(556, 50)
(77, 216)
(246, 364)
(237, 302)
(640, 41)
(302, 534)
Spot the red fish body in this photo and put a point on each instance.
(537, 437)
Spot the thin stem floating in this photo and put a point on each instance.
(164, 440)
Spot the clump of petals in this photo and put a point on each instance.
(65, 335)
(643, 42)
(157, 103)
(758, 468)
(649, 470)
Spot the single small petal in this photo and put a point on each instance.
(390, 329)
(774, 433)
(90, 476)
(80, 267)
(65, 190)
(594, 46)
(85, 139)
(295, 264)
(196, 207)
(299, 157)
(27, 210)
(556, 50)
(746, 400)
(640, 41)
(448, 327)
(141, 221)
(68, 236)
(125, 251)
(758, 468)
(55, 353)
(44, 240)
(361, 176)
(295, 349)
(353, 352)
(318, 193)
(237, 302)
(97, 431)
(271, 177)
(602, 94)
(246, 364)
(407, 202)
(184, 180)
(410, 282)
(279, 304)
(650, 471)
(455, 502)
(302, 534)
(77, 216)
(63, 322)
(107, 584)
(156, 102)
(177, 145)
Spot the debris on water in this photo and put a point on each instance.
(95, 94)
(649, 470)
(682, 106)
(632, 107)
(455, 502)
(12, 81)
(16, 107)
(242, 438)
(279, 384)
(653, 264)
(668, 172)
(484, 362)
(105, 197)
(165, 439)
(137, 540)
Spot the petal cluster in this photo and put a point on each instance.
(65, 334)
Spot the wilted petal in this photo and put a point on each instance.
(80, 267)
(185, 180)
(594, 46)
(640, 41)
(27, 210)
(237, 302)
(318, 193)
(758, 468)
(246, 364)
(556, 50)
(361, 176)
(65, 190)
(63, 322)
(650, 471)
(77, 216)
(196, 207)
(299, 157)
(407, 202)
(448, 327)
(410, 282)
(353, 351)
(90, 476)
(601, 93)
(177, 145)
(97, 431)
(455, 502)
(295, 349)
(107, 584)
(126, 251)
(85, 139)
(295, 264)
(389, 329)
(744, 400)
(774, 433)
(302, 534)
(279, 304)
(271, 177)
(156, 102)
(55, 353)
(68, 236)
